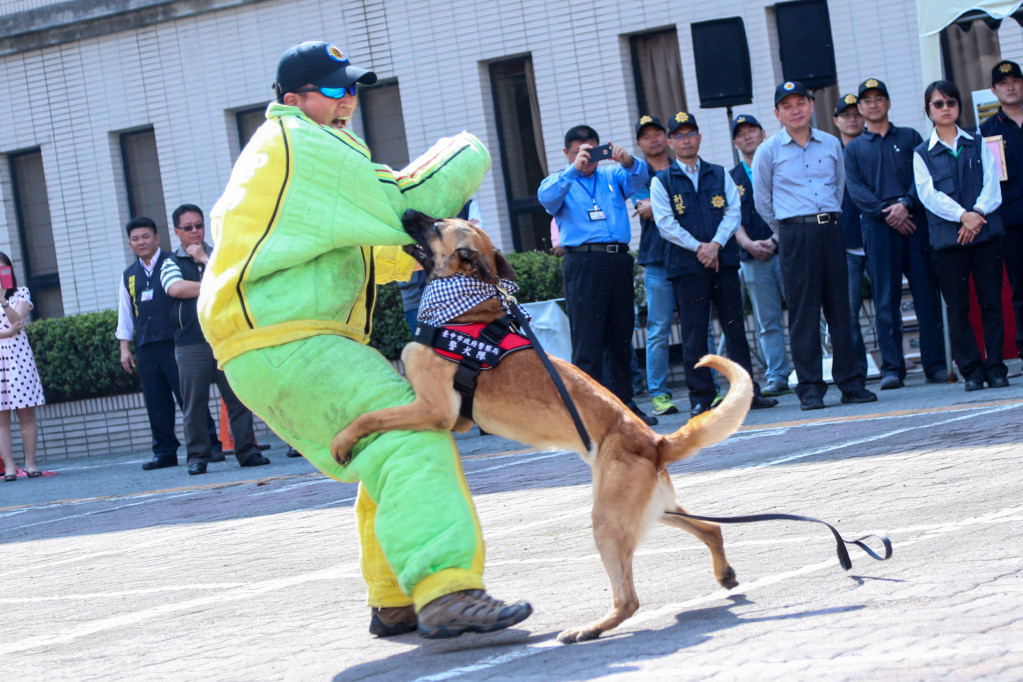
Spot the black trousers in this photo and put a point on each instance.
(693, 295)
(954, 267)
(158, 372)
(816, 279)
(599, 298)
(1012, 248)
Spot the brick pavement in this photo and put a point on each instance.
(258, 578)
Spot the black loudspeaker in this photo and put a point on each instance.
(804, 41)
(721, 55)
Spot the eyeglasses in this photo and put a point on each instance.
(333, 93)
(871, 100)
(942, 103)
(189, 228)
(688, 133)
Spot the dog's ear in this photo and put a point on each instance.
(475, 264)
(415, 222)
(504, 268)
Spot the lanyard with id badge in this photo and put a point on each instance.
(595, 213)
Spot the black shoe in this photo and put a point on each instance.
(391, 621)
(939, 377)
(813, 402)
(255, 460)
(197, 467)
(761, 403)
(217, 456)
(292, 452)
(698, 409)
(890, 381)
(649, 420)
(974, 384)
(160, 463)
(997, 382)
(860, 395)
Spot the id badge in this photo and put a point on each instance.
(147, 295)
(596, 214)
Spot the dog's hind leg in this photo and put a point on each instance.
(624, 505)
(708, 533)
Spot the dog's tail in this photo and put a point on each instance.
(715, 425)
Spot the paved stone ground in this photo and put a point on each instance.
(115, 573)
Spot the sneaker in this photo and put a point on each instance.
(647, 419)
(663, 405)
(890, 381)
(392, 620)
(717, 401)
(776, 388)
(469, 611)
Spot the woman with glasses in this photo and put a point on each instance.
(957, 183)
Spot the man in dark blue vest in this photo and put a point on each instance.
(697, 210)
(143, 314)
(180, 275)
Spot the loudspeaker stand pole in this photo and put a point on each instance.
(735, 152)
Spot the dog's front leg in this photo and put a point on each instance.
(419, 415)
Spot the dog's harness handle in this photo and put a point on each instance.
(843, 553)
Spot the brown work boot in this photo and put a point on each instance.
(469, 611)
(392, 620)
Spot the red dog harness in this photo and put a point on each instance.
(475, 347)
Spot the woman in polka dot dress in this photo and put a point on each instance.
(20, 387)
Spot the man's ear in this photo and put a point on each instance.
(475, 264)
(504, 268)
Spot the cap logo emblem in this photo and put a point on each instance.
(1005, 68)
(681, 117)
(789, 86)
(871, 83)
(646, 119)
(850, 99)
(717, 201)
(741, 119)
(336, 54)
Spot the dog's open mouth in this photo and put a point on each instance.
(418, 252)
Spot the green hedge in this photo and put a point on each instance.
(78, 357)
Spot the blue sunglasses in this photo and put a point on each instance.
(333, 93)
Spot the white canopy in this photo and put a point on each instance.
(935, 15)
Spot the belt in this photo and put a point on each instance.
(817, 218)
(603, 247)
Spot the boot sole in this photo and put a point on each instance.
(450, 630)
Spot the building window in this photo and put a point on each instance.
(657, 71)
(247, 121)
(523, 159)
(383, 124)
(142, 180)
(38, 251)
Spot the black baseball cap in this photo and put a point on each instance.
(744, 119)
(645, 121)
(845, 101)
(322, 64)
(1005, 69)
(682, 118)
(872, 84)
(789, 88)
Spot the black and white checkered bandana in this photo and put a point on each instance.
(446, 298)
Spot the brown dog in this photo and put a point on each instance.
(518, 400)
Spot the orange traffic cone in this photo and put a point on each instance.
(226, 441)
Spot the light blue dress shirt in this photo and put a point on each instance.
(790, 180)
(569, 196)
(669, 226)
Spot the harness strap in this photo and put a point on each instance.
(843, 553)
(465, 383)
(520, 317)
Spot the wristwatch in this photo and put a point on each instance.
(905, 201)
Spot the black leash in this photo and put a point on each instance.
(512, 306)
(843, 554)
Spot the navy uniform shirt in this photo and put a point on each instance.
(879, 170)
(1011, 209)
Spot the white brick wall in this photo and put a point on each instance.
(182, 77)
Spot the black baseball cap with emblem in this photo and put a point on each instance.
(682, 118)
(1005, 69)
(322, 64)
(845, 101)
(790, 88)
(872, 84)
(645, 121)
(744, 120)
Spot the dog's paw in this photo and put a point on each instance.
(341, 449)
(728, 580)
(579, 635)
